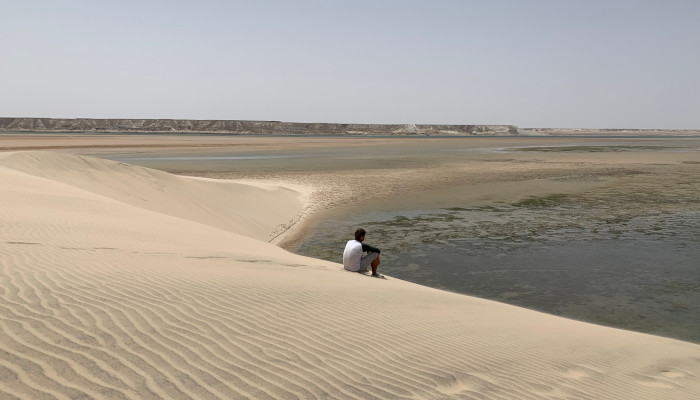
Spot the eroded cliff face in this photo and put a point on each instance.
(241, 127)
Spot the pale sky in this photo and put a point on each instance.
(555, 63)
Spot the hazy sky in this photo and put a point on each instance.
(557, 63)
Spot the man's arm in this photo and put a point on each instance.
(366, 247)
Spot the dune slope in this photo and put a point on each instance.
(222, 204)
(118, 282)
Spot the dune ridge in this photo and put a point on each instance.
(218, 203)
(121, 282)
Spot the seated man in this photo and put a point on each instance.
(358, 256)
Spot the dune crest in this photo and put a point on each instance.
(119, 282)
(222, 204)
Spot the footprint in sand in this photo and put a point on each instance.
(577, 372)
(672, 374)
(664, 378)
(653, 383)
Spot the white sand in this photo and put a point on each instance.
(122, 282)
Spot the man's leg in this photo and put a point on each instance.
(375, 264)
(367, 261)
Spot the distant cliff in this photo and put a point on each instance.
(241, 127)
(606, 132)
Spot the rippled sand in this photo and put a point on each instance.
(125, 282)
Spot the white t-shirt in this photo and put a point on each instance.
(352, 255)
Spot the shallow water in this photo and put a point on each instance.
(642, 274)
(624, 257)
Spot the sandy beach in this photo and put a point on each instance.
(149, 267)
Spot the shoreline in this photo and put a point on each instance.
(128, 282)
(387, 178)
(578, 170)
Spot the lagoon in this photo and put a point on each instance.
(604, 230)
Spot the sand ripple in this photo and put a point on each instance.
(100, 298)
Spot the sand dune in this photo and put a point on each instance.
(120, 282)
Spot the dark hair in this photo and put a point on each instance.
(359, 233)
